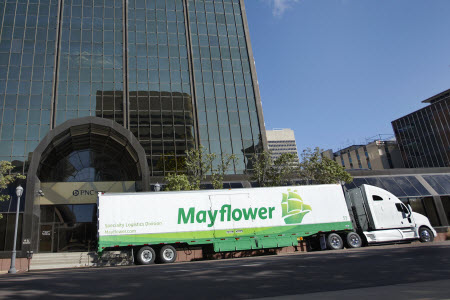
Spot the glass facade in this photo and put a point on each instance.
(90, 69)
(159, 82)
(176, 73)
(228, 122)
(7, 222)
(27, 62)
(424, 136)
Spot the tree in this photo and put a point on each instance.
(262, 162)
(6, 178)
(198, 164)
(284, 169)
(268, 172)
(321, 170)
(219, 172)
(177, 182)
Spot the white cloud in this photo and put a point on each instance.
(279, 7)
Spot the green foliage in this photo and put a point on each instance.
(198, 164)
(177, 183)
(268, 172)
(6, 178)
(284, 169)
(321, 170)
(313, 168)
(262, 162)
(219, 172)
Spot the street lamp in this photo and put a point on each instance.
(157, 187)
(12, 269)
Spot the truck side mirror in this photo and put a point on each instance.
(407, 211)
(410, 210)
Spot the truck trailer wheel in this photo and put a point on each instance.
(334, 242)
(145, 256)
(353, 240)
(425, 235)
(167, 254)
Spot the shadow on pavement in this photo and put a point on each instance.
(258, 277)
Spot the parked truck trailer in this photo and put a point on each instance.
(153, 225)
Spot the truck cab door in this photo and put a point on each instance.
(408, 228)
(384, 209)
(385, 212)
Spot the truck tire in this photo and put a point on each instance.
(145, 256)
(167, 254)
(334, 242)
(353, 240)
(425, 235)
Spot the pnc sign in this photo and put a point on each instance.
(81, 192)
(84, 192)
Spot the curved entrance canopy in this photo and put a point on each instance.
(88, 149)
(87, 153)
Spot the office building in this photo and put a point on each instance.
(107, 95)
(281, 141)
(379, 154)
(424, 135)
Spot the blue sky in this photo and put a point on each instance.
(339, 71)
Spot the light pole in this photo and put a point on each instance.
(12, 269)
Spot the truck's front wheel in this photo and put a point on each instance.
(425, 235)
(167, 254)
(145, 256)
(334, 242)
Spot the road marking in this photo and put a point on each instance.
(252, 265)
(214, 268)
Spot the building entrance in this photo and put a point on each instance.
(66, 228)
(66, 237)
(46, 238)
(68, 214)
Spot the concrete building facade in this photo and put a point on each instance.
(376, 155)
(281, 141)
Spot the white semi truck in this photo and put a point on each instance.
(155, 224)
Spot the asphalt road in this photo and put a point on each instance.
(420, 271)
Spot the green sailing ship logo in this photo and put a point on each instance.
(293, 209)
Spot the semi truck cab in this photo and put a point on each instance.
(381, 217)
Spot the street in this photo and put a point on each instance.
(417, 271)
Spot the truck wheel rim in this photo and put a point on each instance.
(335, 242)
(147, 255)
(168, 254)
(354, 240)
(425, 235)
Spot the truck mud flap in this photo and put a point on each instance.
(240, 244)
(224, 246)
(244, 244)
(269, 242)
(286, 241)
